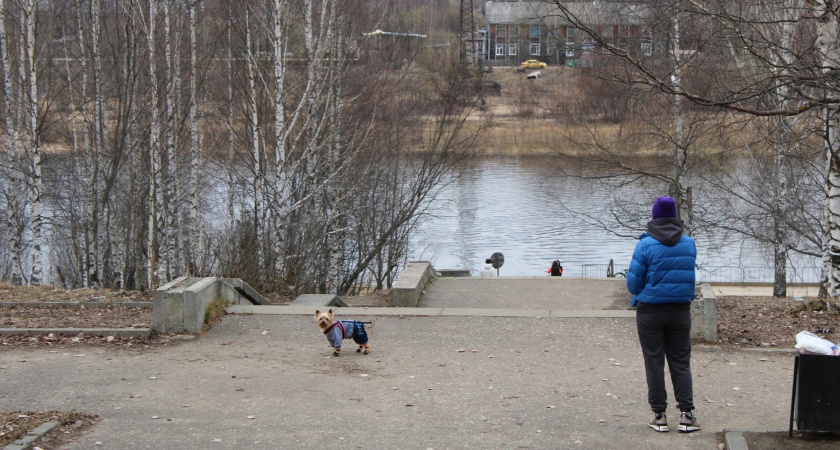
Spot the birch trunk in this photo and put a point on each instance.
(192, 181)
(255, 139)
(781, 179)
(231, 153)
(336, 230)
(154, 152)
(167, 219)
(101, 136)
(680, 152)
(827, 44)
(176, 211)
(87, 168)
(13, 208)
(281, 177)
(36, 182)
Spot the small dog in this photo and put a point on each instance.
(337, 331)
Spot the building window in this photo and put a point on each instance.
(512, 50)
(647, 42)
(570, 42)
(607, 35)
(623, 39)
(500, 49)
(535, 31)
(500, 31)
(535, 49)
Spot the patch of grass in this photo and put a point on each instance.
(215, 311)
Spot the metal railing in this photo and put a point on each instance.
(603, 270)
(715, 274)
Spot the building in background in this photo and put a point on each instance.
(534, 29)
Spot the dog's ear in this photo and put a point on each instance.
(329, 312)
(317, 313)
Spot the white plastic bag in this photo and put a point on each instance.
(811, 344)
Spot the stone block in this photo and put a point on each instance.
(453, 273)
(181, 304)
(197, 298)
(704, 317)
(168, 309)
(409, 287)
(318, 300)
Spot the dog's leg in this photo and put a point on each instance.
(367, 348)
(337, 351)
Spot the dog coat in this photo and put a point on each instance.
(346, 329)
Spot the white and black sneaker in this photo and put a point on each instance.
(688, 422)
(659, 422)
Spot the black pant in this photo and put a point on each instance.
(667, 334)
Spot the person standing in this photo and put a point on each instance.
(661, 279)
(487, 270)
(556, 270)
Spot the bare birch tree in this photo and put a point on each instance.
(773, 72)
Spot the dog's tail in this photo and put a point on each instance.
(369, 324)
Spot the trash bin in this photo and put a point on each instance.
(815, 402)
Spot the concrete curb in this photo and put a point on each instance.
(81, 304)
(142, 333)
(34, 434)
(734, 440)
(407, 311)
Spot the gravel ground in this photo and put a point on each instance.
(743, 322)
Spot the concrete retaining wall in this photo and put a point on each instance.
(197, 298)
(413, 279)
(237, 292)
(181, 304)
(704, 316)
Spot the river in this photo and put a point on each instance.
(534, 213)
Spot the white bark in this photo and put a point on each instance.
(335, 218)
(231, 150)
(13, 208)
(827, 44)
(101, 145)
(255, 138)
(192, 181)
(680, 152)
(781, 181)
(36, 182)
(282, 177)
(154, 153)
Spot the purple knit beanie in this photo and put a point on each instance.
(664, 207)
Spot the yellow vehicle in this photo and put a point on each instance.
(533, 64)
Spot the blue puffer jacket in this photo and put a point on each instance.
(662, 269)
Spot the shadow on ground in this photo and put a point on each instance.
(779, 440)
